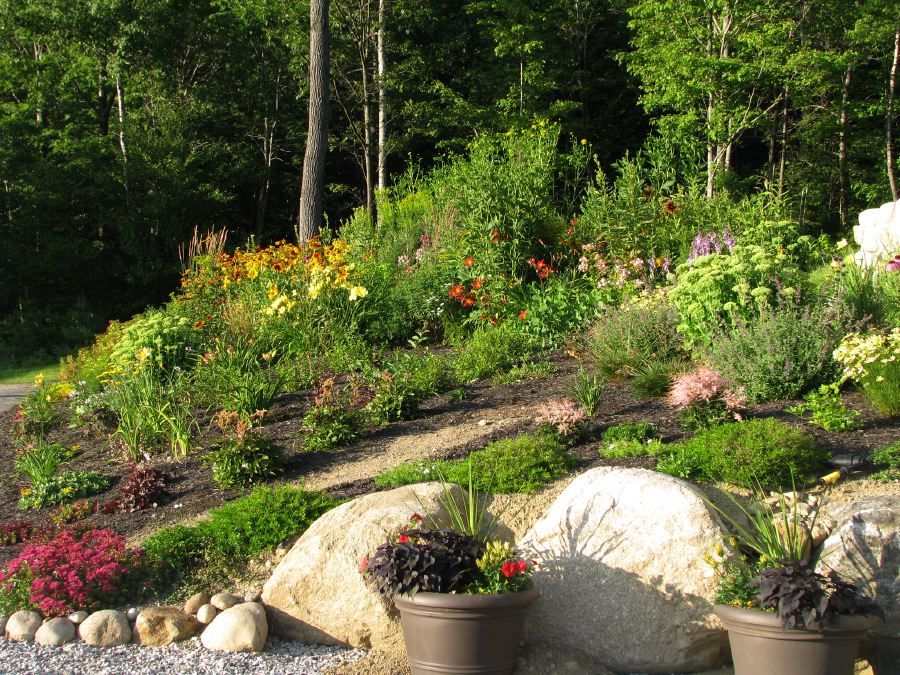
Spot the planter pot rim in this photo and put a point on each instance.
(424, 599)
(763, 619)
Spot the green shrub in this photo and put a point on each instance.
(630, 447)
(335, 418)
(221, 544)
(490, 351)
(762, 452)
(827, 410)
(406, 380)
(245, 459)
(724, 289)
(780, 352)
(887, 461)
(158, 335)
(642, 432)
(521, 464)
(260, 520)
(624, 339)
(237, 379)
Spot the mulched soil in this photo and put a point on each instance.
(194, 493)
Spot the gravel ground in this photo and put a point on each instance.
(280, 657)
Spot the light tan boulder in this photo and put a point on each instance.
(223, 601)
(161, 626)
(55, 632)
(242, 628)
(22, 625)
(622, 574)
(317, 594)
(206, 614)
(106, 628)
(195, 602)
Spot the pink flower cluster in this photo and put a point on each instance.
(563, 415)
(71, 571)
(703, 385)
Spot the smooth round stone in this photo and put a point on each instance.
(132, 613)
(78, 617)
(195, 602)
(224, 601)
(55, 632)
(22, 625)
(106, 628)
(206, 614)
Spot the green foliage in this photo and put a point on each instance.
(559, 307)
(261, 520)
(237, 379)
(887, 461)
(865, 293)
(628, 448)
(704, 414)
(511, 465)
(626, 338)
(521, 464)
(151, 411)
(157, 335)
(827, 409)
(40, 460)
(489, 351)
(587, 390)
(42, 407)
(406, 380)
(757, 452)
(222, 543)
(780, 352)
(242, 460)
(655, 377)
(642, 432)
(336, 417)
(65, 487)
(719, 289)
(530, 370)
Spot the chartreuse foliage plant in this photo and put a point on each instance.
(827, 409)
(724, 289)
(221, 544)
(887, 462)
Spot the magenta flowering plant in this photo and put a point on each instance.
(68, 572)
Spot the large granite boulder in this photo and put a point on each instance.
(864, 549)
(622, 574)
(317, 594)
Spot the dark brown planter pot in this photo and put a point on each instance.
(471, 634)
(760, 645)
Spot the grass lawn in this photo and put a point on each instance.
(25, 374)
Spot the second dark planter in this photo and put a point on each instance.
(760, 645)
(463, 634)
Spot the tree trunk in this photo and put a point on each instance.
(889, 119)
(368, 169)
(382, 101)
(311, 214)
(782, 164)
(843, 171)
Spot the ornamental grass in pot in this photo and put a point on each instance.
(783, 617)
(462, 596)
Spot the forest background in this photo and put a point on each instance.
(125, 125)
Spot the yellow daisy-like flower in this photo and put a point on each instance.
(357, 292)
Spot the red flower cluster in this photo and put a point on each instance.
(71, 571)
(459, 294)
(543, 269)
(513, 567)
(468, 262)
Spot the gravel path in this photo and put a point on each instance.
(279, 658)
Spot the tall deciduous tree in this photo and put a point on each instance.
(311, 215)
